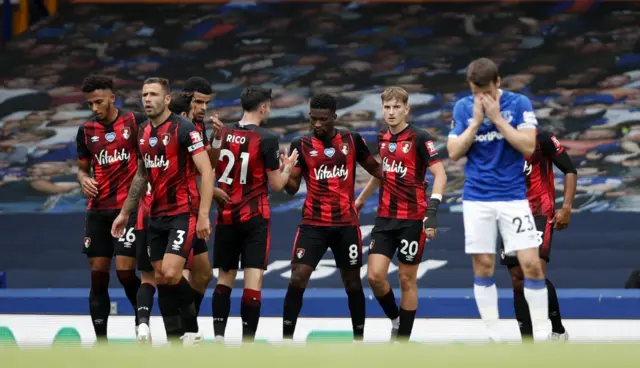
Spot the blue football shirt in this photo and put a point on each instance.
(494, 169)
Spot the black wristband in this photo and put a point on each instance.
(434, 203)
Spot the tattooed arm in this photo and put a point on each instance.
(137, 190)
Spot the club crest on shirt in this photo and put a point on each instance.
(506, 115)
(300, 253)
(126, 133)
(344, 148)
(153, 141)
(329, 152)
(373, 242)
(110, 137)
(406, 147)
(87, 242)
(165, 138)
(392, 147)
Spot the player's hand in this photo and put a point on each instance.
(217, 126)
(89, 186)
(221, 195)
(478, 110)
(561, 220)
(429, 225)
(359, 205)
(203, 227)
(119, 225)
(491, 107)
(290, 160)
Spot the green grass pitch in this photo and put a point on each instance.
(330, 356)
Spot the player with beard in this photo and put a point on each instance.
(327, 161)
(249, 164)
(405, 219)
(106, 146)
(171, 150)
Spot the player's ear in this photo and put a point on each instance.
(407, 108)
(498, 82)
(335, 116)
(183, 114)
(167, 98)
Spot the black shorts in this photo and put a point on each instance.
(545, 232)
(312, 242)
(171, 234)
(406, 236)
(98, 241)
(247, 242)
(142, 249)
(199, 246)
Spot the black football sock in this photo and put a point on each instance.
(144, 301)
(184, 294)
(170, 309)
(197, 300)
(357, 307)
(221, 306)
(388, 304)
(554, 309)
(250, 313)
(523, 317)
(131, 284)
(291, 310)
(99, 303)
(406, 324)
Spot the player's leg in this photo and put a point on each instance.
(518, 230)
(201, 271)
(125, 251)
(226, 258)
(520, 306)
(381, 250)
(255, 257)
(144, 297)
(347, 250)
(99, 250)
(309, 246)
(182, 235)
(412, 240)
(481, 233)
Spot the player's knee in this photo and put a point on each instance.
(172, 275)
(99, 281)
(407, 282)
(531, 268)
(148, 278)
(299, 280)
(127, 277)
(202, 277)
(517, 278)
(352, 284)
(376, 279)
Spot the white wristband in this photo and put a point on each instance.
(436, 196)
(217, 143)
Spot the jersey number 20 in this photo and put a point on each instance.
(244, 165)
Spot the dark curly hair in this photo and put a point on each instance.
(96, 82)
(180, 102)
(323, 101)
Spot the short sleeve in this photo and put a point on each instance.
(362, 150)
(271, 152)
(527, 118)
(81, 143)
(427, 148)
(139, 118)
(203, 131)
(297, 144)
(190, 138)
(459, 121)
(550, 145)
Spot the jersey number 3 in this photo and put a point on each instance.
(244, 166)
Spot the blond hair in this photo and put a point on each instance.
(395, 93)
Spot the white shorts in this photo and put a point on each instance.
(483, 220)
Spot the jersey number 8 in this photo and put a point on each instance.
(244, 165)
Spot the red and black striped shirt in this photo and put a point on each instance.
(405, 158)
(538, 170)
(329, 170)
(202, 129)
(111, 149)
(247, 153)
(166, 151)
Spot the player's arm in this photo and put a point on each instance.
(89, 185)
(295, 178)
(136, 191)
(203, 164)
(365, 158)
(271, 152)
(429, 154)
(523, 136)
(462, 136)
(553, 150)
(367, 191)
(213, 150)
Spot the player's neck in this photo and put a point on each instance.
(250, 118)
(398, 128)
(160, 118)
(113, 115)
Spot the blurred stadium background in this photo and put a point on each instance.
(578, 61)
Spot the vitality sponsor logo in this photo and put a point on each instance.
(104, 158)
(395, 167)
(324, 173)
(156, 162)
